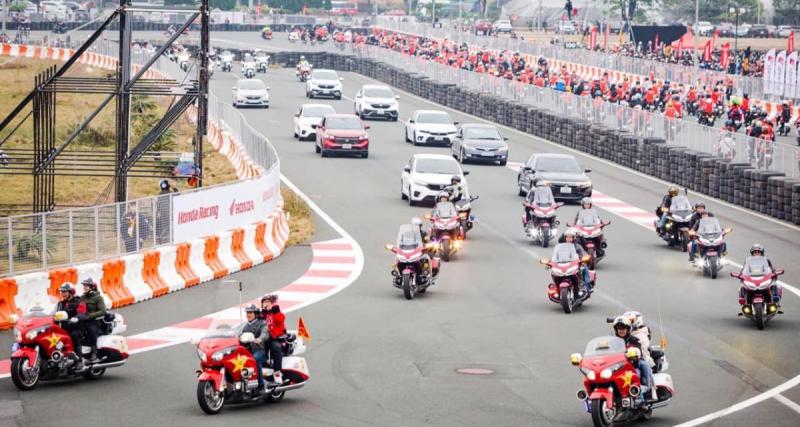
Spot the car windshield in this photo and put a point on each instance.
(543, 196)
(408, 237)
(226, 55)
(261, 54)
(443, 166)
(481, 133)
(445, 210)
(347, 123)
(557, 164)
(378, 92)
(251, 84)
(435, 118)
(564, 252)
(680, 204)
(588, 218)
(325, 75)
(601, 346)
(317, 111)
(756, 266)
(708, 227)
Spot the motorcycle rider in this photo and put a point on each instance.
(276, 329)
(623, 329)
(95, 310)
(569, 237)
(700, 212)
(256, 326)
(302, 64)
(785, 118)
(589, 212)
(71, 303)
(663, 209)
(428, 253)
(455, 189)
(756, 252)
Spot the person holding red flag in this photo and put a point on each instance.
(276, 328)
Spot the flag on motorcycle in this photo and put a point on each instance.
(791, 75)
(725, 56)
(302, 331)
(780, 73)
(790, 42)
(707, 52)
(714, 40)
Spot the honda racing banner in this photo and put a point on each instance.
(225, 207)
(791, 75)
(779, 73)
(769, 65)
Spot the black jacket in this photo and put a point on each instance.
(70, 305)
(695, 220)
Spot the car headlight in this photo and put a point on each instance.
(420, 183)
(502, 149)
(33, 333)
(585, 183)
(219, 355)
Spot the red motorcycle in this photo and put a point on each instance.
(43, 350)
(756, 296)
(590, 237)
(567, 287)
(413, 272)
(446, 231)
(612, 391)
(228, 375)
(540, 221)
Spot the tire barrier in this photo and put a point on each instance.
(150, 26)
(764, 191)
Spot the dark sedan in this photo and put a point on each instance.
(479, 143)
(560, 171)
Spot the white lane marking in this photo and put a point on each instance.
(601, 160)
(783, 399)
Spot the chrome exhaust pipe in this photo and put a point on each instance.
(290, 387)
(582, 395)
(660, 404)
(634, 391)
(108, 365)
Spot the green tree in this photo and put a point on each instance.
(714, 10)
(787, 12)
(222, 4)
(629, 8)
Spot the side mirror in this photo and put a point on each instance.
(505, 138)
(455, 123)
(269, 88)
(527, 169)
(569, 224)
(407, 169)
(474, 198)
(366, 127)
(587, 170)
(313, 126)
(609, 320)
(60, 316)
(397, 97)
(778, 271)
(410, 120)
(728, 230)
(389, 248)
(247, 338)
(575, 359)
(734, 274)
(466, 173)
(297, 114)
(606, 222)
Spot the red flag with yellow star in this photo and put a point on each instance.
(302, 332)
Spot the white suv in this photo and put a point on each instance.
(426, 175)
(430, 127)
(324, 83)
(373, 101)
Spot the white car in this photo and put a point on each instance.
(430, 127)
(703, 28)
(784, 30)
(426, 175)
(324, 83)
(373, 101)
(309, 116)
(565, 27)
(502, 26)
(250, 93)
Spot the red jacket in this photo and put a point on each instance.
(276, 322)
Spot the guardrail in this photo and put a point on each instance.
(41, 241)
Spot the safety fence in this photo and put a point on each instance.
(619, 63)
(67, 237)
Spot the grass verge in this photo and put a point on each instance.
(301, 220)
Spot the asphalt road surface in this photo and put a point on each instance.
(377, 359)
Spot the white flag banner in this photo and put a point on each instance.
(780, 72)
(769, 66)
(791, 75)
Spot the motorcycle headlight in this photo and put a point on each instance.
(589, 373)
(17, 335)
(33, 333)
(201, 355)
(219, 355)
(608, 372)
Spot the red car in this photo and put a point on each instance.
(483, 27)
(342, 134)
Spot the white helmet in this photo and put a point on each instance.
(636, 318)
(416, 221)
(570, 232)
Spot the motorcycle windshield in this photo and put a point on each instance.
(709, 228)
(756, 266)
(542, 196)
(445, 210)
(602, 346)
(680, 205)
(564, 252)
(409, 237)
(588, 218)
(224, 329)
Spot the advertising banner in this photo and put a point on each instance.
(211, 210)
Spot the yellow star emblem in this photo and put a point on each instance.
(53, 339)
(238, 363)
(627, 379)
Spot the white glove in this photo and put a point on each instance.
(73, 320)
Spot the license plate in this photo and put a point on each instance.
(378, 111)
(438, 138)
(487, 154)
(347, 146)
(566, 190)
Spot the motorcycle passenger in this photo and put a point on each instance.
(256, 326)
(623, 329)
(699, 213)
(541, 195)
(430, 254)
(276, 329)
(569, 237)
(588, 216)
(641, 332)
(663, 210)
(95, 310)
(757, 264)
(71, 303)
(455, 189)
